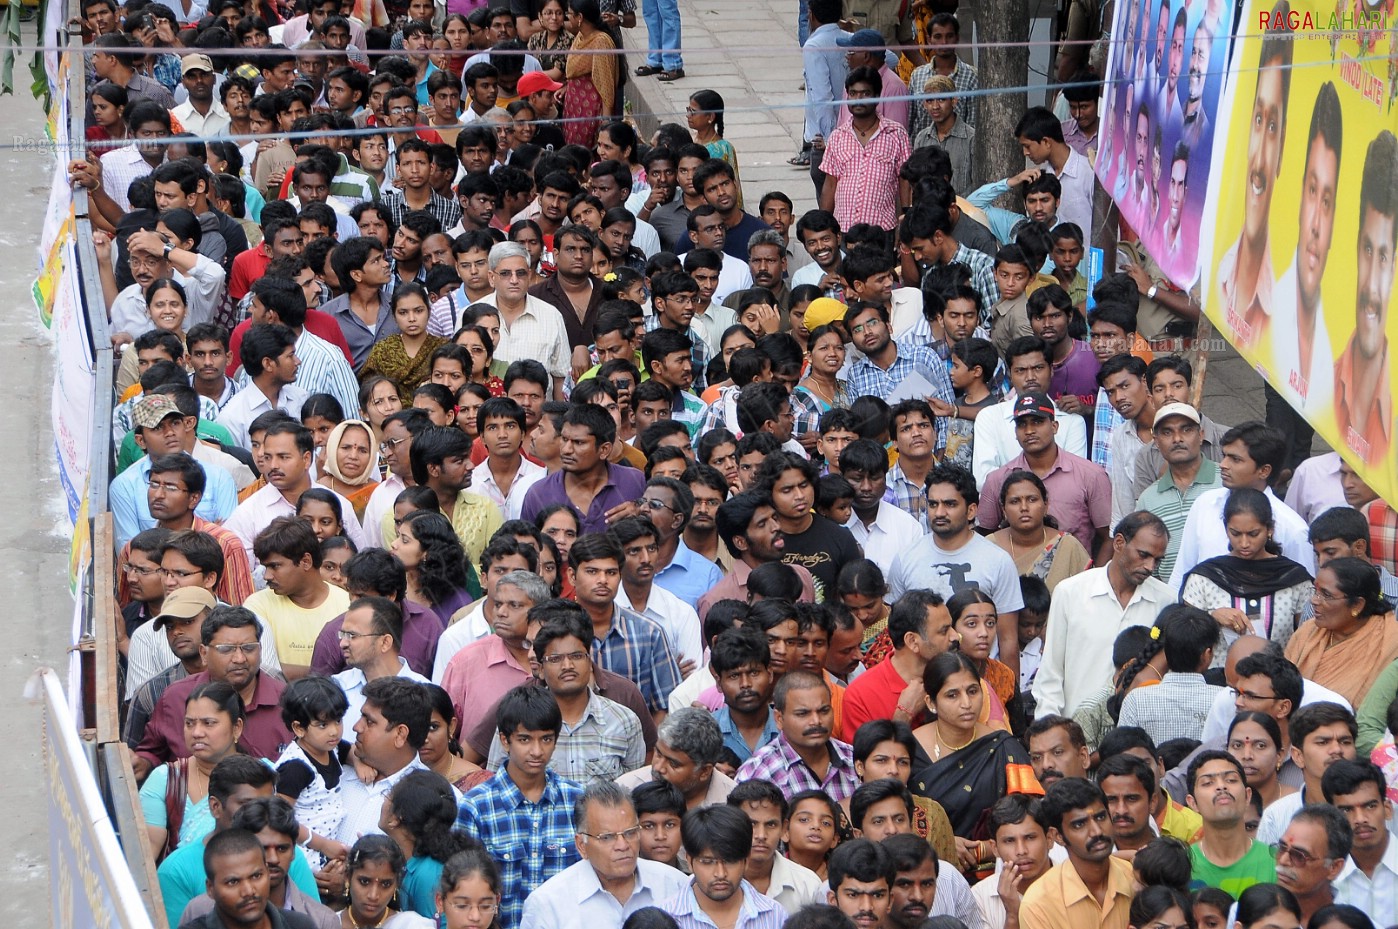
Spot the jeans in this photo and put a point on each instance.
(803, 22)
(663, 32)
(817, 175)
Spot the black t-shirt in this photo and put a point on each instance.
(823, 550)
(295, 776)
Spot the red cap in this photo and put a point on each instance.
(535, 81)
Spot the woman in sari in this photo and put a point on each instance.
(1254, 589)
(441, 751)
(1031, 537)
(861, 588)
(352, 463)
(591, 87)
(964, 764)
(1354, 635)
(405, 356)
(974, 617)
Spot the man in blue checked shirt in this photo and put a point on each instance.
(524, 814)
(886, 363)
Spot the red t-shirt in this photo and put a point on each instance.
(248, 266)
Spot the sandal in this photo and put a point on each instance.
(801, 159)
(668, 76)
(648, 70)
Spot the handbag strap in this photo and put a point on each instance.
(176, 795)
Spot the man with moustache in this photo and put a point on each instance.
(804, 755)
(1128, 783)
(718, 842)
(925, 886)
(1179, 437)
(1301, 365)
(1093, 887)
(1225, 856)
(861, 883)
(1245, 270)
(1312, 853)
(747, 525)
(1170, 90)
(1363, 401)
(1196, 121)
(1057, 749)
(1369, 878)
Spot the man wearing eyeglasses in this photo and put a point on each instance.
(600, 738)
(231, 651)
(371, 640)
(1312, 854)
(612, 881)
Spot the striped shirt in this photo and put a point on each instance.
(869, 192)
(758, 912)
(698, 350)
(963, 78)
(603, 745)
(1166, 500)
(447, 212)
(1105, 418)
(867, 378)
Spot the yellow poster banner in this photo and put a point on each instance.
(1299, 272)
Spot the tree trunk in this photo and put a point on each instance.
(1001, 21)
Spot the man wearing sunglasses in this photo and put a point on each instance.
(229, 644)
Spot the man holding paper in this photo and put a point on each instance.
(895, 371)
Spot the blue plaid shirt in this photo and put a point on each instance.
(1105, 418)
(635, 648)
(698, 352)
(530, 842)
(982, 268)
(867, 378)
(909, 497)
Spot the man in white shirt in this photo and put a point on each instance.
(1123, 378)
(269, 358)
(152, 258)
(390, 732)
(612, 881)
(1090, 609)
(1252, 457)
(638, 591)
(530, 328)
(500, 557)
(954, 557)
(321, 367)
(506, 475)
(882, 530)
(1369, 879)
(1024, 848)
(371, 638)
(610, 182)
(200, 114)
(707, 230)
(1040, 136)
(1027, 359)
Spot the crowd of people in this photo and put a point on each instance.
(611, 552)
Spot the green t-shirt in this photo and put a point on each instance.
(1256, 867)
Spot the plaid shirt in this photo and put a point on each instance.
(909, 497)
(447, 212)
(982, 268)
(963, 78)
(143, 703)
(1105, 418)
(716, 415)
(698, 351)
(867, 378)
(635, 648)
(1383, 534)
(166, 70)
(778, 762)
(807, 408)
(1176, 708)
(530, 842)
(605, 744)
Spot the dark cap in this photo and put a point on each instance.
(1035, 404)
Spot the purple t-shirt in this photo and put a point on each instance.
(623, 486)
(1076, 376)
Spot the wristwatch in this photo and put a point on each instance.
(168, 249)
(1154, 289)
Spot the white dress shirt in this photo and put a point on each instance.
(1078, 181)
(250, 403)
(792, 885)
(1376, 896)
(575, 899)
(891, 533)
(1222, 713)
(677, 618)
(995, 442)
(512, 504)
(364, 802)
(1205, 536)
(1085, 612)
(213, 123)
(1315, 487)
(735, 275)
(352, 681)
(1310, 390)
(537, 333)
(380, 505)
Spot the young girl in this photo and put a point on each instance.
(1211, 907)
(405, 356)
(835, 498)
(334, 552)
(478, 341)
(308, 771)
(972, 373)
(320, 414)
(469, 894)
(705, 116)
(814, 829)
(625, 283)
(1161, 906)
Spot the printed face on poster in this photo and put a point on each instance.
(1166, 74)
(1298, 269)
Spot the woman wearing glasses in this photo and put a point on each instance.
(1353, 637)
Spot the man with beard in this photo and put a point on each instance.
(811, 540)
(804, 755)
(1225, 856)
(1093, 887)
(441, 461)
(1363, 401)
(922, 885)
(1245, 270)
(861, 883)
(709, 488)
(1358, 790)
(238, 883)
(1128, 783)
(555, 190)
(862, 158)
(1057, 749)
(920, 628)
(1090, 609)
(740, 662)
(747, 525)
(718, 842)
(1170, 89)
(178, 622)
(602, 492)
(1312, 854)
(1021, 835)
(887, 363)
(573, 291)
(1301, 362)
(200, 113)
(1196, 121)
(716, 182)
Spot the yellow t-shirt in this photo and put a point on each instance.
(293, 628)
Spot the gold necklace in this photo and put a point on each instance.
(349, 911)
(1014, 549)
(951, 749)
